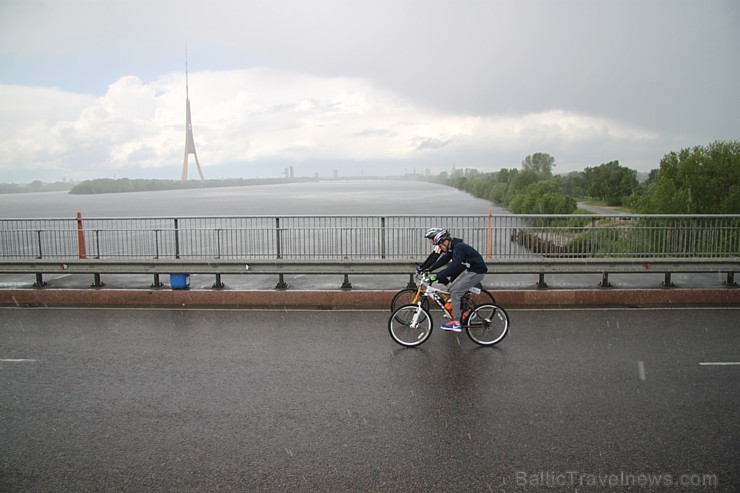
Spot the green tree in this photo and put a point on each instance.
(480, 185)
(574, 184)
(497, 194)
(522, 180)
(698, 180)
(610, 182)
(543, 197)
(539, 162)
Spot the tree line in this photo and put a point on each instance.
(122, 185)
(35, 186)
(698, 180)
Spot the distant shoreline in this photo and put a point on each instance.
(36, 187)
(126, 185)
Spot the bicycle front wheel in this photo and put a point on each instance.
(410, 325)
(487, 325)
(406, 297)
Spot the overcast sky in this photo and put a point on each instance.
(96, 88)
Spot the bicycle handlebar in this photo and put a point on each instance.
(423, 280)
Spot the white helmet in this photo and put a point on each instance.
(432, 232)
(441, 236)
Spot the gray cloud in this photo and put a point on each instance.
(493, 81)
(431, 144)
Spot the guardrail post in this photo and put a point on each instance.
(346, 284)
(592, 237)
(411, 284)
(39, 280)
(177, 240)
(605, 280)
(281, 282)
(382, 238)
(218, 243)
(38, 236)
(278, 244)
(218, 284)
(96, 282)
(541, 282)
(730, 279)
(157, 283)
(279, 254)
(667, 280)
(97, 244)
(489, 235)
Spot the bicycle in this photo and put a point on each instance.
(411, 325)
(478, 294)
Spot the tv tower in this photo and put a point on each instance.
(189, 141)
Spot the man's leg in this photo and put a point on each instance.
(459, 287)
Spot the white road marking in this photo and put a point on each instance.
(18, 360)
(720, 363)
(641, 370)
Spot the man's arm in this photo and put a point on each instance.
(453, 269)
(442, 260)
(428, 262)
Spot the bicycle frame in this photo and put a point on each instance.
(439, 296)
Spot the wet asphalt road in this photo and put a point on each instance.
(238, 400)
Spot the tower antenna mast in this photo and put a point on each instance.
(189, 141)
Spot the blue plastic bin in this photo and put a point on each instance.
(180, 281)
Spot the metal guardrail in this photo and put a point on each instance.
(534, 244)
(540, 266)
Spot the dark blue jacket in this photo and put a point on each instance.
(458, 258)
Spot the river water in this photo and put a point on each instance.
(316, 198)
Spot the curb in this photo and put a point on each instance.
(355, 298)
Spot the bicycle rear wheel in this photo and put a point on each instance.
(410, 325)
(487, 325)
(406, 297)
(483, 298)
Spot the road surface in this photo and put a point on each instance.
(273, 400)
(601, 209)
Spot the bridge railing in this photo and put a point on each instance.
(338, 244)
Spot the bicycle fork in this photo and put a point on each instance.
(415, 319)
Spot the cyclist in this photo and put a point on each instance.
(463, 264)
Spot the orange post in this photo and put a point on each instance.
(80, 237)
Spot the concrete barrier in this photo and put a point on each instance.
(330, 299)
